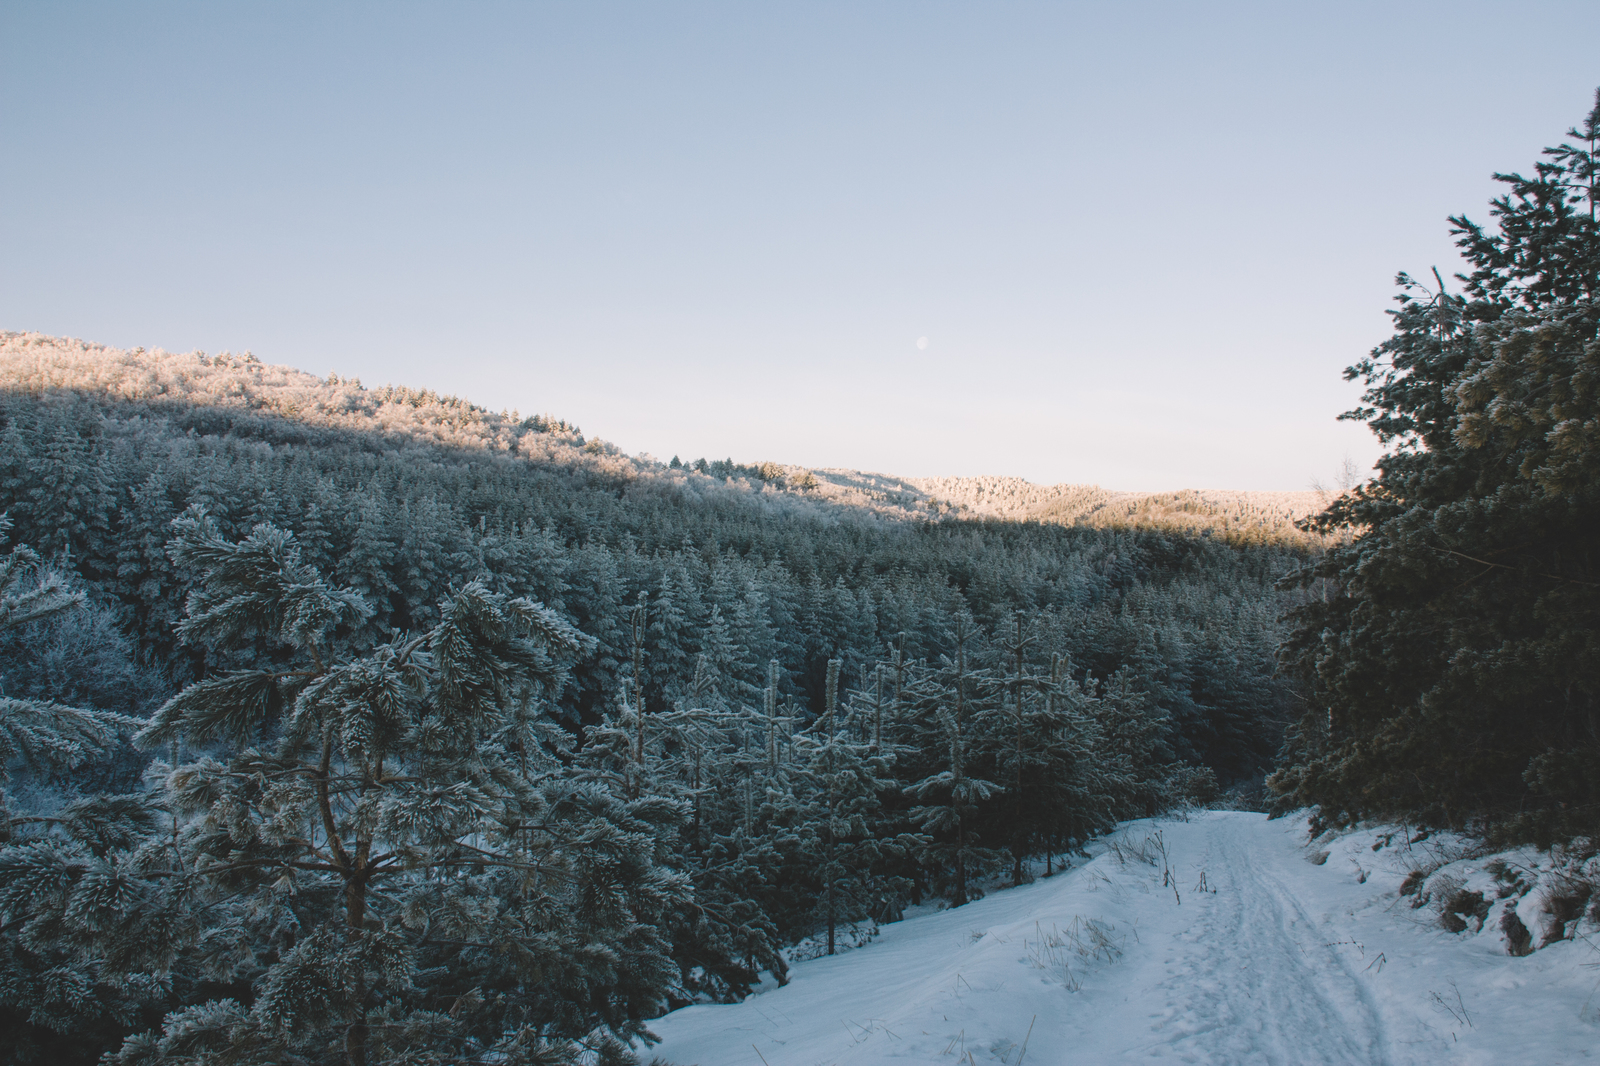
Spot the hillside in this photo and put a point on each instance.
(402, 491)
(31, 362)
(1244, 516)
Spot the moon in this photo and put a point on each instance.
(922, 344)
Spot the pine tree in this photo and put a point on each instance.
(401, 807)
(1076, 774)
(949, 700)
(1042, 754)
(365, 565)
(1453, 675)
(821, 758)
(637, 622)
(41, 734)
(702, 758)
(1147, 776)
(69, 496)
(668, 641)
(51, 995)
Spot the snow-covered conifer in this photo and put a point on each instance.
(840, 780)
(949, 700)
(441, 887)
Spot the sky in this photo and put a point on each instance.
(1131, 244)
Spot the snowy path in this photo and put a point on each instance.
(1249, 954)
(1252, 976)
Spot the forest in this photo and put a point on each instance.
(404, 731)
(350, 725)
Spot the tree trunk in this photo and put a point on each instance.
(831, 914)
(960, 898)
(1019, 839)
(355, 912)
(772, 716)
(961, 866)
(697, 801)
(832, 697)
(638, 682)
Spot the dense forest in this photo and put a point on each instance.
(366, 725)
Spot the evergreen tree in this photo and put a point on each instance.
(666, 641)
(421, 879)
(1038, 754)
(55, 1000)
(702, 751)
(846, 838)
(949, 700)
(1453, 673)
(1073, 771)
(41, 734)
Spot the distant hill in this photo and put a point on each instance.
(1248, 515)
(33, 362)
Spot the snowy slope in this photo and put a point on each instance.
(1250, 953)
(404, 416)
(1270, 515)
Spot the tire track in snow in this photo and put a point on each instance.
(1252, 980)
(1244, 976)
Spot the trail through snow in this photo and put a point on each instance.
(1232, 947)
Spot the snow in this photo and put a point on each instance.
(1250, 952)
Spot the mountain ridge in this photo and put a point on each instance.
(420, 417)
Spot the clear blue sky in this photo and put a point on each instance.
(1141, 239)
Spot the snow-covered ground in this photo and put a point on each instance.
(1250, 952)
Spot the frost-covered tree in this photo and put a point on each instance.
(37, 732)
(375, 849)
(53, 998)
(946, 703)
(845, 836)
(704, 758)
(1453, 666)
(1043, 753)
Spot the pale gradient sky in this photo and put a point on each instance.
(1142, 239)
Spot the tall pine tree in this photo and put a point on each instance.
(1454, 673)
